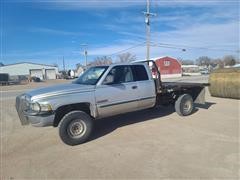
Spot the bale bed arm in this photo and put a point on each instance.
(168, 93)
(158, 82)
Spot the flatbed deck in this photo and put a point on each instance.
(182, 84)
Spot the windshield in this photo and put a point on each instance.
(91, 76)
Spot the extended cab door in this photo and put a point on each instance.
(145, 86)
(118, 93)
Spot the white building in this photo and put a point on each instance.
(236, 66)
(191, 70)
(41, 71)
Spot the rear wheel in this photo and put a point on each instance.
(75, 128)
(184, 105)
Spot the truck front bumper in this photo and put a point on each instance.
(39, 120)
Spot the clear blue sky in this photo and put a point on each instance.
(45, 31)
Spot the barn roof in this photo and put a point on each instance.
(28, 63)
(161, 57)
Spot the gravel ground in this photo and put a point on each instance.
(146, 144)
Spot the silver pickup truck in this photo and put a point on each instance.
(104, 91)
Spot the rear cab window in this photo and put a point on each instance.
(139, 73)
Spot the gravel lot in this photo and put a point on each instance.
(146, 144)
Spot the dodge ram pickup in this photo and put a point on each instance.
(104, 91)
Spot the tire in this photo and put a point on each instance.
(184, 105)
(75, 128)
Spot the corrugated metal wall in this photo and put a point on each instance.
(24, 68)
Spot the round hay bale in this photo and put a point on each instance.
(225, 83)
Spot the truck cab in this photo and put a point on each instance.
(125, 88)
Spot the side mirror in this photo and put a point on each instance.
(108, 80)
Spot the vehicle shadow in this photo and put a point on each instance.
(105, 126)
(207, 105)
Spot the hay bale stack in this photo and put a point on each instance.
(225, 83)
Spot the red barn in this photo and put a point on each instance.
(169, 67)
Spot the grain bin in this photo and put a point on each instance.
(225, 83)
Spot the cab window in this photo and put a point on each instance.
(118, 75)
(139, 73)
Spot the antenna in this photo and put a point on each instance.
(147, 21)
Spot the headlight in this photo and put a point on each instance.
(35, 107)
(38, 108)
(46, 107)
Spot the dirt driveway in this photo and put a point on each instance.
(146, 144)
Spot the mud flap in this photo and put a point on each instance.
(201, 97)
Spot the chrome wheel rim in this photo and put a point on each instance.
(187, 106)
(76, 128)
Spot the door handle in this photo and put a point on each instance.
(134, 87)
(102, 101)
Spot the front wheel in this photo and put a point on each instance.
(75, 128)
(184, 105)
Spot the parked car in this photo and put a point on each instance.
(204, 71)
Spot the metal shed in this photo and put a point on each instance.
(29, 69)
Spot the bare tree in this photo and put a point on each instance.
(79, 65)
(204, 61)
(126, 57)
(229, 60)
(218, 63)
(104, 60)
(187, 62)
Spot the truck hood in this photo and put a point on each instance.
(59, 90)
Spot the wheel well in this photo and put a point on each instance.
(193, 91)
(63, 110)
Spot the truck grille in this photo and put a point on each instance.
(21, 106)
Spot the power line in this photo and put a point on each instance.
(170, 46)
(182, 46)
(191, 47)
(132, 47)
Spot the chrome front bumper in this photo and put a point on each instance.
(41, 121)
(34, 120)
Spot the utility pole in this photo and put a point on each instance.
(85, 52)
(147, 21)
(64, 64)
